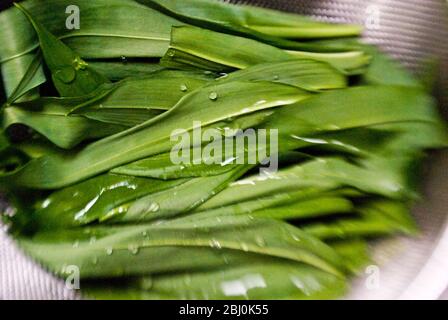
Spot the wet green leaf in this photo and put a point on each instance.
(64, 131)
(126, 251)
(202, 49)
(71, 75)
(254, 280)
(377, 218)
(153, 137)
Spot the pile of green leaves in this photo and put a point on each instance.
(85, 148)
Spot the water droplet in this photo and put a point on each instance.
(66, 74)
(215, 244)
(223, 75)
(213, 96)
(276, 77)
(147, 283)
(124, 59)
(244, 247)
(171, 53)
(109, 251)
(208, 73)
(79, 64)
(153, 207)
(183, 88)
(133, 249)
(260, 241)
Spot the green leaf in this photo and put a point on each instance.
(385, 71)
(168, 247)
(32, 78)
(355, 107)
(124, 198)
(199, 162)
(321, 206)
(119, 70)
(121, 116)
(207, 45)
(71, 75)
(244, 21)
(307, 179)
(162, 167)
(4, 143)
(180, 199)
(350, 63)
(302, 73)
(93, 200)
(255, 280)
(130, 36)
(294, 205)
(64, 131)
(13, 74)
(354, 252)
(149, 92)
(260, 19)
(153, 137)
(202, 48)
(377, 218)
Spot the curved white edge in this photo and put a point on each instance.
(432, 281)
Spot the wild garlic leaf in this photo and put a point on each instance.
(355, 107)
(211, 158)
(117, 107)
(71, 75)
(64, 131)
(181, 198)
(244, 21)
(14, 71)
(250, 52)
(115, 198)
(31, 80)
(162, 167)
(307, 208)
(148, 92)
(121, 116)
(126, 250)
(302, 73)
(117, 70)
(96, 199)
(376, 218)
(129, 37)
(153, 137)
(252, 17)
(293, 205)
(254, 279)
(201, 48)
(355, 253)
(322, 174)
(382, 65)
(96, 38)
